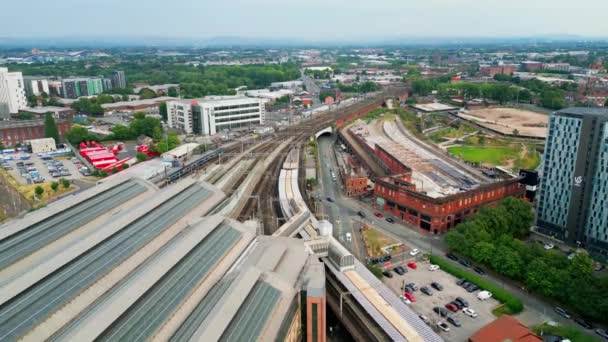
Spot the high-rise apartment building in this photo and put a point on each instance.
(74, 88)
(211, 115)
(107, 84)
(35, 85)
(573, 201)
(12, 93)
(119, 80)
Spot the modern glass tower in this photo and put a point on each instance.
(573, 201)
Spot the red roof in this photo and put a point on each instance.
(505, 328)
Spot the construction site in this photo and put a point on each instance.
(509, 121)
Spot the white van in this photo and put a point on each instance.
(348, 237)
(483, 295)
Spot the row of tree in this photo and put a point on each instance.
(363, 87)
(141, 125)
(493, 238)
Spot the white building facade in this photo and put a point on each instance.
(211, 115)
(35, 86)
(12, 93)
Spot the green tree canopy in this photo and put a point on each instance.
(50, 127)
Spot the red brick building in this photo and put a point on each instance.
(505, 328)
(18, 131)
(395, 194)
(491, 70)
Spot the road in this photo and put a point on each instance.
(537, 310)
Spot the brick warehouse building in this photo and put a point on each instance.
(398, 194)
(18, 131)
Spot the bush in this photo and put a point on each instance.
(513, 303)
(375, 270)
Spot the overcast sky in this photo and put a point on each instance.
(303, 19)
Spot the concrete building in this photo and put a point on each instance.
(12, 93)
(572, 203)
(119, 80)
(35, 85)
(74, 88)
(212, 115)
(148, 105)
(42, 145)
(19, 131)
(107, 84)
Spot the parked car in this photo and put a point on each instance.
(387, 274)
(479, 270)
(455, 322)
(437, 286)
(461, 282)
(465, 263)
(378, 215)
(425, 319)
(409, 288)
(562, 312)
(329, 199)
(412, 265)
(452, 256)
(362, 214)
(457, 304)
(583, 323)
(405, 300)
(548, 246)
(602, 333)
(483, 295)
(469, 312)
(440, 311)
(410, 296)
(443, 326)
(472, 288)
(462, 301)
(412, 285)
(414, 252)
(426, 291)
(452, 307)
(433, 267)
(401, 270)
(390, 220)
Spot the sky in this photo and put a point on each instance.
(327, 20)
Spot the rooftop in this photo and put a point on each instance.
(584, 111)
(433, 107)
(505, 328)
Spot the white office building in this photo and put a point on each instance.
(214, 114)
(12, 93)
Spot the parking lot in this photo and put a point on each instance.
(424, 304)
(37, 170)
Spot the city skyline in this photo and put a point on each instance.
(311, 21)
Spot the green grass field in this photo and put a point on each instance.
(490, 155)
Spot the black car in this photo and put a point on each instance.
(362, 214)
(461, 282)
(457, 304)
(437, 286)
(387, 274)
(455, 322)
(602, 333)
(465, 263)
(399, 270)
(472, 288)
(412, 285)
(462, 301)
(479, 270)
(452, 256)
(426, 291)
(440, 311)
(562, 312)
(329, 199)
(390, 220)
(583, 323)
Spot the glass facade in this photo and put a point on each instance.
(560, 158)
(597, 222)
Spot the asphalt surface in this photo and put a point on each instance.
(32, 306)
(537, 310)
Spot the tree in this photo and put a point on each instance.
(168, 144)
(147, 93)
(78, 134)
(114, 169)
(162, 109)
(65, 183)
(54, 186)
(140, 157)
(172, 92)
(515, 131)
(481, 140)
(39, 191)
(606, 103)
(125, 166)
(121, 132)
(553, 99)
(50, 127)
(125, 97)
(145, 126)
(139, 115)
